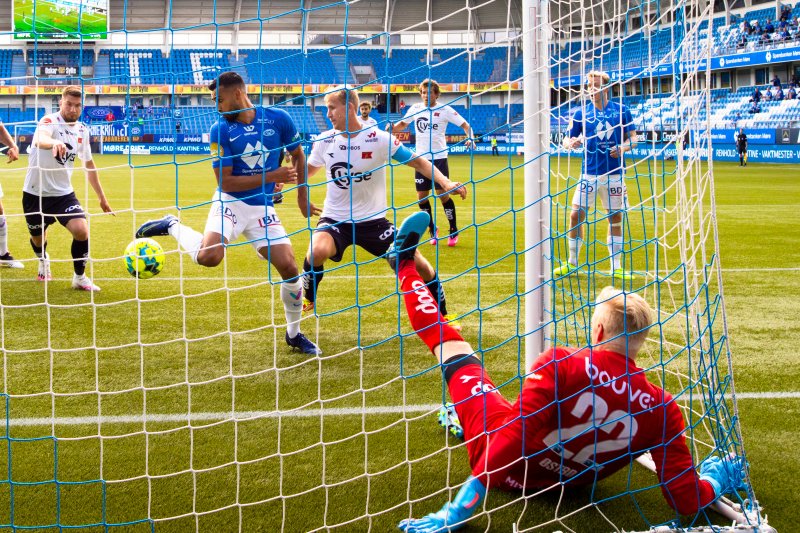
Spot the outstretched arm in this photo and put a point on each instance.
(8, 140)
(454, 514)
(426, 168)
(94, 180)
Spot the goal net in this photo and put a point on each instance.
(174, 403)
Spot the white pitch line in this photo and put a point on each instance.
(350, 276)
(299, 413)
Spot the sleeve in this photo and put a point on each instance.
(46, 125)
(317, 156)
(86, 148)
(533, 408)
(454, 117)
(399, 151)
(682, 488)
(576, 124)
(290, 138)
(220, 147)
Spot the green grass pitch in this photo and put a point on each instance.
(48, 19)
(168, 346)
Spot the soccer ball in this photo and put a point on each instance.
(144, 258)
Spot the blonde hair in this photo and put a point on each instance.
(598, 74)
(431, 85)
(72, 90)
(344, 94)
(626, 319)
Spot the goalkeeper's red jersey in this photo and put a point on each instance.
(581, 416)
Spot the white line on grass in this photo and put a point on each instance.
(349, 276)
(299, 413)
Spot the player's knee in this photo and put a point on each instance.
(210, 257)
(80, 233)
(576, 216)
(286, 267)
(444, 198)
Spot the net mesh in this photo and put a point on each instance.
(174, 403)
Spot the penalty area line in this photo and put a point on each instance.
(155, 418)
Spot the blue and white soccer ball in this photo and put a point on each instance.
(144, 258)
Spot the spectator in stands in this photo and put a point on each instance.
(742, 41)
(110, 116)
(795, 23)
(786, 13)
(764, 39)
(756, 95)
(178, 127)
(784, 36)
(754, 108)
(768, 94)
(779, 94)
(770, 27)
(776, 81)
(795, 80)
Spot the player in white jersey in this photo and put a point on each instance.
(365, 119)
(48, 196)
(355, 206)
(430, 125)
(6, 259)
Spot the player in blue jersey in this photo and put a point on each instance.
(606, 130)
(246, 144)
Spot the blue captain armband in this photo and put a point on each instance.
(404, 154)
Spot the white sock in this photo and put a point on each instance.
(188, 239)
(292, 297)
(3, 235)
(615, 250)
(574, 249)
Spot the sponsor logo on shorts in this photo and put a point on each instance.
(269, 220)
(225, 212)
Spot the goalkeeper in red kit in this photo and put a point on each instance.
(582, 415)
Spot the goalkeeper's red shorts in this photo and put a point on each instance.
(480, 407)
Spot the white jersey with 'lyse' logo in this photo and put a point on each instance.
(49, 175)
(356, 172)
(430, 126)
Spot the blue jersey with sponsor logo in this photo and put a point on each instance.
(602, 130)
(253, 149)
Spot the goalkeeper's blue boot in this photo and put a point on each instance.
(156, 228)
(301, 344)
(448, 419)
(407, 238)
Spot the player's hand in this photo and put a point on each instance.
(455, 187)
(469, 143)
(453, 514)
(13, 154)
(104, 205)
(307, 208)
(724, 475)
(59, 149)
(616, 152)
(571, 142)
(282, 175)
(278, 187)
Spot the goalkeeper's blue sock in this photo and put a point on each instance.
(312, 276)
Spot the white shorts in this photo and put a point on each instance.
(609, 188)
(231, 218)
